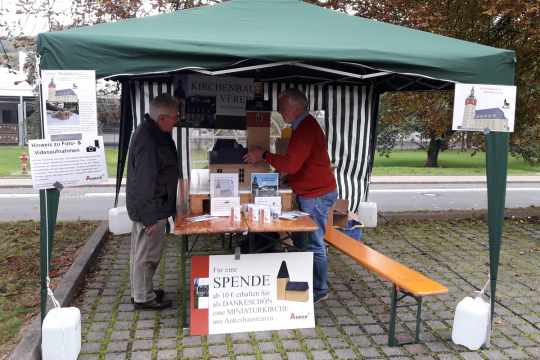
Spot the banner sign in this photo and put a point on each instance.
(212, 101)
(69, 162)
(478, 106)
(258, 292)
(69, 103)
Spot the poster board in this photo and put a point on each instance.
(257, 292)
(214, 102)
(479, 106)
(69, 104)
(264, 184)
(69, 162)
(223, 185)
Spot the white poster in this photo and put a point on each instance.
(69, 103)
(478, 106)
(69, 162)
(223, 185)
(260, 292)
(213, 101)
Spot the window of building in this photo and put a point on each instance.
(240, 175)
(220, 171)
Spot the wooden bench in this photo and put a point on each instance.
(406, 281)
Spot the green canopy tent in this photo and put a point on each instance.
(343, 63)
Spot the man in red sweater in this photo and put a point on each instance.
(308, 167)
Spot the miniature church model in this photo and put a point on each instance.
(228, 156)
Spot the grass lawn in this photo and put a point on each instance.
(20, 275)
(10, 162)
(411, 162)
(400, 162)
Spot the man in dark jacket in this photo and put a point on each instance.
(152, 180)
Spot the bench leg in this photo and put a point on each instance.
(183, 285)
(393, 314)
(418, 319)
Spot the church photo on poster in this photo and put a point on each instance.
(479, 106)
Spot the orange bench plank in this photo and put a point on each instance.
(404, 278)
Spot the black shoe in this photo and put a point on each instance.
(159, 293)
(156, 304)
(319, 297)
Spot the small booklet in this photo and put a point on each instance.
(292, 215)
(202, 218)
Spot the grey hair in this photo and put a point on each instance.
(161, 105)
(295, 97)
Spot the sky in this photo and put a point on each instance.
(30, 24)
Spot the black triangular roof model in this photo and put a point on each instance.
(283, 272)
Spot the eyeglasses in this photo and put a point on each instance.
(177, 117)
(282, 108)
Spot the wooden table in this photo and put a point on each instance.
(302, 225)
(184, 228)
(224, 225)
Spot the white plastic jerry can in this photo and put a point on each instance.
(119, 221)
(61, 334)
(367, 214)
(472, 323)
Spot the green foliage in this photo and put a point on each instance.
(20, 275)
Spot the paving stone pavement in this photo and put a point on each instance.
(352, 323)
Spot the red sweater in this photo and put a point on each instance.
(307, 161)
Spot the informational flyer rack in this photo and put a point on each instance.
(254, 293)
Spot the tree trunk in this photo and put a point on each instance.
(433, 153)
(469, 142)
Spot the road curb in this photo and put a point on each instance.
(452, 215)
(29, 347)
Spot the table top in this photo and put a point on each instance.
(302, 224)
(221, 225)
(224, 225)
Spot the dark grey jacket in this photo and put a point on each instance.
(152, 175)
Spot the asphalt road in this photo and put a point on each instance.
(94, 203)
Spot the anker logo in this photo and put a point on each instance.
(298, 317)
(94, 178)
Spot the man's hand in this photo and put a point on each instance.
(149, 229)
(254, 156)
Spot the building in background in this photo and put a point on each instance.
(16, 99)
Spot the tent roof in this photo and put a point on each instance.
(254, 32)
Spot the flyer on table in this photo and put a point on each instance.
(70, 162)
(69, 103)
(479, 106)
(258, 292)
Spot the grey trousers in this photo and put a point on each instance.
(146, 252)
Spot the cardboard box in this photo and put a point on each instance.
(221, 206)
(340, 213)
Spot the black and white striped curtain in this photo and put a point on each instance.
(348, 112)
(142, 92)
